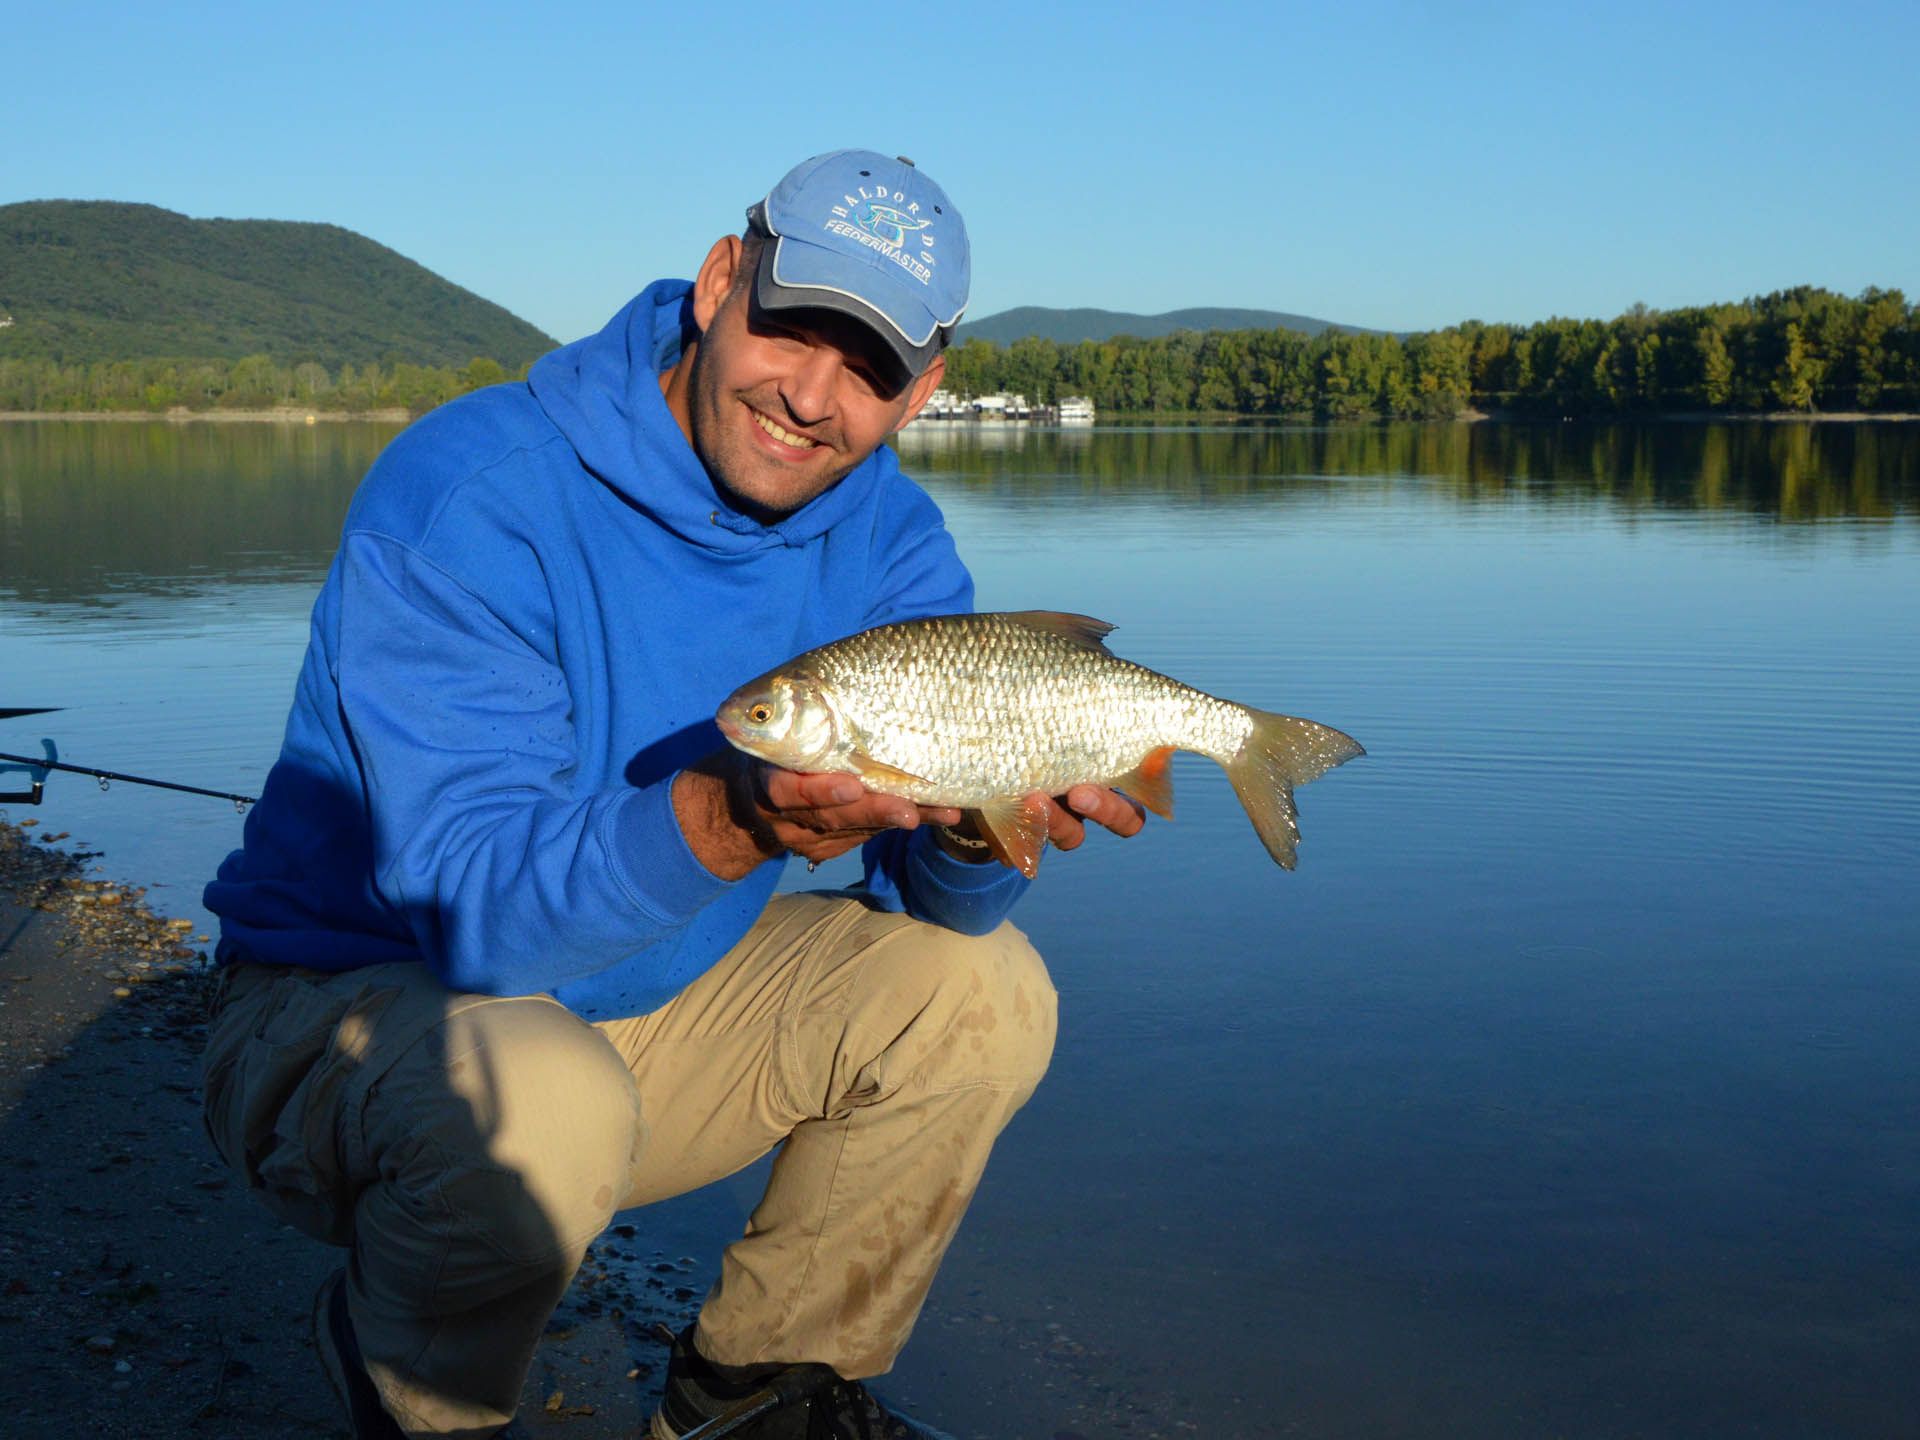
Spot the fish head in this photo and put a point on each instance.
(786, 719)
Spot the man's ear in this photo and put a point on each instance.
(715, 280)
(922, 390)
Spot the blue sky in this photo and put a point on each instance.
(1392, 165)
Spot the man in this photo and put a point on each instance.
(501, 944)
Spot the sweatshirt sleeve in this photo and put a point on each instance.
(906, 870)
(510, 881)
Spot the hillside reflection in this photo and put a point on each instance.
(90, 513)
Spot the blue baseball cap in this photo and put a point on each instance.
(870, 237)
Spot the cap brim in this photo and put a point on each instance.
(793, 276)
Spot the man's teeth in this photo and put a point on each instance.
(784, 436)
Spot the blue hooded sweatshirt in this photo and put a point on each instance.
(539, 600)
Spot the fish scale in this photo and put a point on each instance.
(978, 711)
(982, 706)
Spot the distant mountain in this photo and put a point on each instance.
(1070, 327)
(100, 280)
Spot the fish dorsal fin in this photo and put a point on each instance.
(1081, 629)
(1015, 832)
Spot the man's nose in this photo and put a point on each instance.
(810, 387)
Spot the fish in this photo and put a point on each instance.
(978, 711)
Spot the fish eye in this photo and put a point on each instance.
(760, 714)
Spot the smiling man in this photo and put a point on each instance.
(502, 950)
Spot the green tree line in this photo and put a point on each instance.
(254, 382)
(1805, 349)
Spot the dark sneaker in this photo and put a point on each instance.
(340, 1358)
(772, 1402)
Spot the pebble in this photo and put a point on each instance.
(100, 1344)
(121, 992)
(121, 1367)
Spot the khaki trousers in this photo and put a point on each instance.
(468, 1148)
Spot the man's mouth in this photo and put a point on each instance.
(781, 433)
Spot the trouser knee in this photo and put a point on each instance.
(514, 1135)
(986, 1008)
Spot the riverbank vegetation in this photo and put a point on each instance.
(1805, 350)
(1798, 350)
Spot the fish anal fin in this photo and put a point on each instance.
(1151, 782)
(1015, 831)
(881, 777)
(1081, 629)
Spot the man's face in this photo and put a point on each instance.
(781, 406)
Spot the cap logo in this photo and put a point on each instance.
(887, 223)
(882, 220)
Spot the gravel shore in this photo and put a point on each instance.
(142, 1291)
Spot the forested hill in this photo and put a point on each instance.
(1070, 327)
(87, 281)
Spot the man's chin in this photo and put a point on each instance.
(774, 490)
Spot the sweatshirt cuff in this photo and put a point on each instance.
(651, 860)
(960, 877)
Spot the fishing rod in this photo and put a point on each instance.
(38, 766)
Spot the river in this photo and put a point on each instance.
(1567, 1088)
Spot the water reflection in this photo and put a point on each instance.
(90, 512)
(1787, 471)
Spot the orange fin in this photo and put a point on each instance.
(881, 777)
(1081, 629)
(1151, 782)
(1016, 834)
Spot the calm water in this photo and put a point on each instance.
(1568, 1088)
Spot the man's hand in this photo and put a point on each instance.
(737, 812)
(1069, 814)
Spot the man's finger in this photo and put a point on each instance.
(1119, 813)
(1064, 829)
(792, 790)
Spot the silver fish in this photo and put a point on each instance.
(979, 711)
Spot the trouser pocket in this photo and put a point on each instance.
(275, 1085)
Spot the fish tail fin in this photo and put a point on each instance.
(1279, 753)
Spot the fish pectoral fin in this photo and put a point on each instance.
(879, 776)
(1081, 629)
(1015, 832)
(1151, 782)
